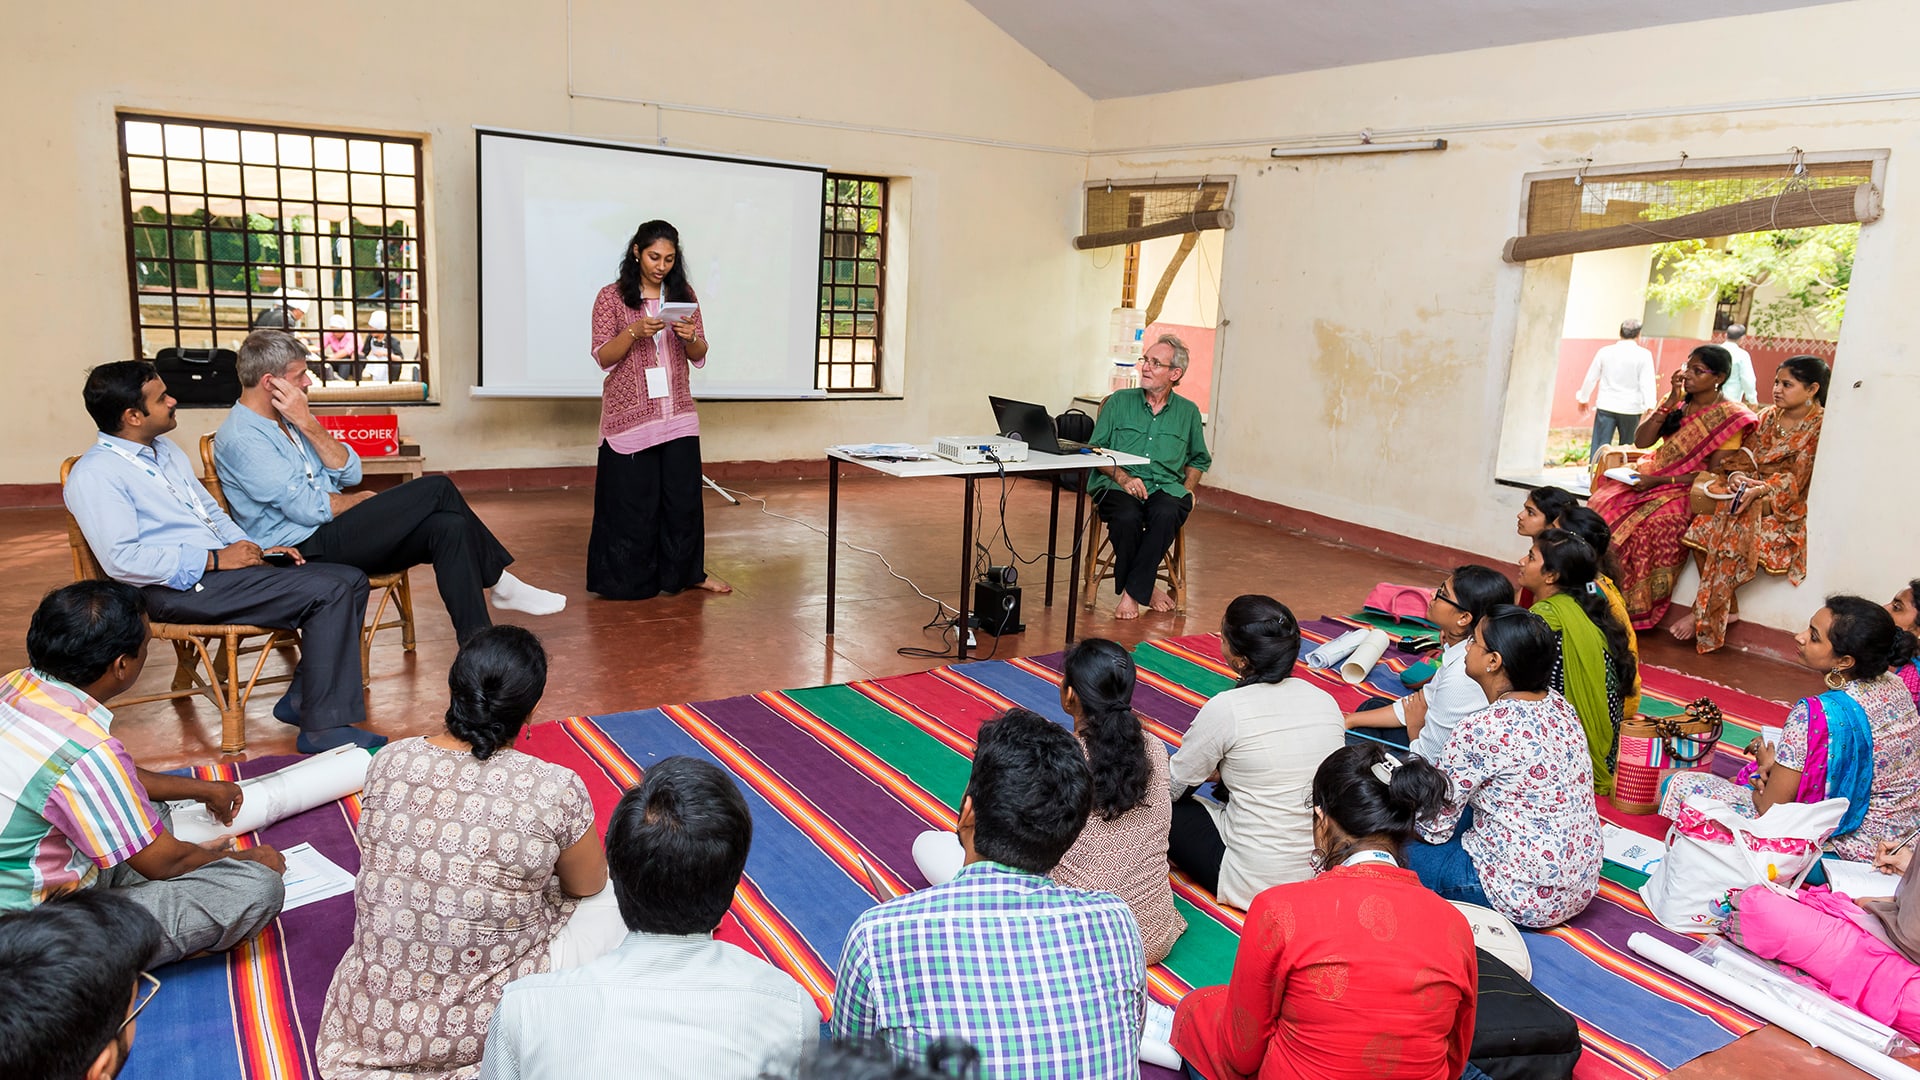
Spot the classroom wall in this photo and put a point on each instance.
(1369, 320)
(997, 299)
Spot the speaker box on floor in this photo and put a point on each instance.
(996, 608)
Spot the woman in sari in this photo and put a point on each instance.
(1694, 428)
(1859, 741)
(1593, 665)
(1764, 526)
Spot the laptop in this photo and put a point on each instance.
(1031, 424)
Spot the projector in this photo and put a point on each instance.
(980, 449)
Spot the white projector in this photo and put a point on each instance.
(980, 449)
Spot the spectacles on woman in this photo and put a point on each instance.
(152, 988)
(1441, 594)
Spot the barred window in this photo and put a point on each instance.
(233, 226)
(853, 259)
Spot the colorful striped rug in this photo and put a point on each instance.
(842, 775)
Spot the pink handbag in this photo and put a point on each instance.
(1399, 601)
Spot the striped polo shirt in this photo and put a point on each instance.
(70, 800)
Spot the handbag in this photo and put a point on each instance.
(1074, 425)
(1403, 603)
(1713, 850)
(200, 376)
(1650, 745)
(1710, 489)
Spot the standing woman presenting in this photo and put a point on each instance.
(649, 528)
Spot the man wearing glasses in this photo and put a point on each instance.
(72, 981)
(1145, 505)
(80, 815)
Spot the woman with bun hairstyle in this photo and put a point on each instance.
(1358, 972)
(1859, 741)
(1261, 740)
(1765, 526)
(1520, 833)
(1593, 663)
(473, 859)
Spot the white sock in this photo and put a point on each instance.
(512, 594)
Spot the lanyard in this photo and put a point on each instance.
(1371, 855)
(187, 498)
(297, 449)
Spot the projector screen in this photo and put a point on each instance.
(555, 215)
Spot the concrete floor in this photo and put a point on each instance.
(608, 656)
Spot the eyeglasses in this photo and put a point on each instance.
(1441, 594)
(1157, 365)
(152, 988)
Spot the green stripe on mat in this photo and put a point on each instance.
(1412, 627)
(1203, 956)
(1185, 673)
(939, 769)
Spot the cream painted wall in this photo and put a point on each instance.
(998, 299)
(1608, 288)
(1365, 369)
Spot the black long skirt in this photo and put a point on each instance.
(649, 527)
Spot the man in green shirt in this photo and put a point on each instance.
(1145, 505)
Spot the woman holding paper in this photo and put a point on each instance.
(1520, 833)
(1764, 525)
(474, 859)
(1860, 740)
(649, 528)
(1593, 663)
(1262, 740)
(1695, 428)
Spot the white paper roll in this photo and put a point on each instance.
(299, 787)
(1765, 1006)
(1328, 656)
(1371, 649)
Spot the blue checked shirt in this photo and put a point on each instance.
(1045, 981)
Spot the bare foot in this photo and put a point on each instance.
(1126, 608)
(1682, 630)
(714, 585)
(1161, 600)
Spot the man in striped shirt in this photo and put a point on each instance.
(1043, 980)
(76, 813)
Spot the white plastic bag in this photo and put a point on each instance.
(1714, 849)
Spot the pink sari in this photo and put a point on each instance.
(1648, 523)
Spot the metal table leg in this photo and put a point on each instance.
(833, 532)
(966, 567)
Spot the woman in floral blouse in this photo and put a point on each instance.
(1520, 833)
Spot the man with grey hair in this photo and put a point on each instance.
(1623, 374)
(1145, 505)
(1740, 386)
(285, 475)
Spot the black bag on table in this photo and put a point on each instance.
(1518, 1032)
(200, 376)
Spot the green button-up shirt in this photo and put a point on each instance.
(1172, 441)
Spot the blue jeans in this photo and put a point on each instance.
(1447, 869)
(1611, 427)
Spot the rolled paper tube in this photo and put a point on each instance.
(1328, 656)
(1764, 1005)
(272, 798)
(1361, 661)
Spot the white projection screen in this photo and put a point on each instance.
(556, 213)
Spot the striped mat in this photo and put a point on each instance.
(843, 777)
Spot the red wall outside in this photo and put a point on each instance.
(1197, 387)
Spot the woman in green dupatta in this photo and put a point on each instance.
(1595, 665)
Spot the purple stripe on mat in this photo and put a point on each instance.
(1155, 705)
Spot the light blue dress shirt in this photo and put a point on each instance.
(274, 480)
(148, 520)
(663, 1006)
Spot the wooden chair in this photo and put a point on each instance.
(197, 670)
(396, 589)
(1099, 565)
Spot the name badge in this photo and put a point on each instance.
(656, 382)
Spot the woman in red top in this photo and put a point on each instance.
(1360, 972)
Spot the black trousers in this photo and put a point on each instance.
(327, 604)
(1141, 534)
(421, 521)
(649, 526)
(1610, 427)
(1194, 844)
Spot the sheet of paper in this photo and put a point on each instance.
(1623, 474)
(1632, 850)
(674, 310)
(312, 876)
(1858, 879)
(656, 382)
(898, 451)
(1772, 735)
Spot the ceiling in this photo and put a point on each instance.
(1120, 48)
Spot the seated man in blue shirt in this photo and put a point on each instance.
(152, 525)
(1045, 981)
(1145, 505)
(690, 1007)
(284, 473)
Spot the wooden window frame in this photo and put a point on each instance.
(833, 314)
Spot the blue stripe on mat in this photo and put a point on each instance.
(1669, 1031)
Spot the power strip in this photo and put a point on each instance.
(971, 644)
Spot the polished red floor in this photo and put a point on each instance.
(608, 656)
